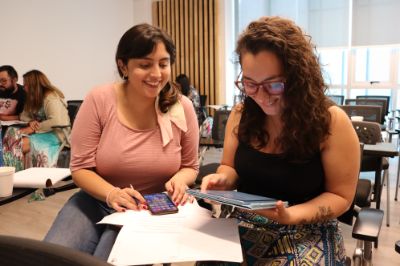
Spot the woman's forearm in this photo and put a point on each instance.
(187, 175)
(230, 176)
(92, 183)
(320, 209)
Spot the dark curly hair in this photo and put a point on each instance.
(138, 42)
(305, 113)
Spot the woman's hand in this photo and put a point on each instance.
(127, 198)
(34, 125)
(176, 188)
(278, 214)
(215, 182)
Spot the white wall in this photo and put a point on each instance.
(226, 45)
(142, 11)
(72, 41)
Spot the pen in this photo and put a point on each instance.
(138, 203)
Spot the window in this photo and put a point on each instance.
(334, 65)
(373, 65)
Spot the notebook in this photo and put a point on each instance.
(40, 177)
(235, 198)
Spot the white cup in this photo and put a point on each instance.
(357, 118)
(6, 180)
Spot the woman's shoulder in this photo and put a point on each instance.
(101, 95)
(52, 97)
(337, 114)
(339, 122)
(186, 102)
(102, 91)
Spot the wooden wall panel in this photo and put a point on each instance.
(192, 26)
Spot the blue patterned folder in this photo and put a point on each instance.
(235, 198)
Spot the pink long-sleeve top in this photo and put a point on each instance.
(122, 155)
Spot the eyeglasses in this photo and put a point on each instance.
(4, 81)
(251, 88)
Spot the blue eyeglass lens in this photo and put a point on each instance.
(275, 86)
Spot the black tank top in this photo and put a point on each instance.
(275, 176)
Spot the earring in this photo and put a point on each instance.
(125, 76)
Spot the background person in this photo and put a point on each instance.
(189, 91)
(287, 141)
(12, 94)
(38, 143)
(115, 146)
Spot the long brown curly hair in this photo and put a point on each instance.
(139, 41)
(305, 113)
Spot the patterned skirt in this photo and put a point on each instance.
(265, 242)
(44, 149)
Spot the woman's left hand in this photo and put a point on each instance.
(278, 214)
(177, 190)
(34, 125)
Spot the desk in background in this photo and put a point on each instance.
(17, 194)
(382, 149)
(209, 142)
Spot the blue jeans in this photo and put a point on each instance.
(75, 226)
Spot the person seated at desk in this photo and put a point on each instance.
(12, 94)
(130, 138)
(38, 143)
(191, 92)
(287, 141)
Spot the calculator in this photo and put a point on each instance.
(160, 203)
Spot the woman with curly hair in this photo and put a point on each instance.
(130, 138)
(287, 141)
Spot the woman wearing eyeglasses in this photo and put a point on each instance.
(287, 141)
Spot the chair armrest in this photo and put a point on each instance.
(209, 142)
(61, 126)
(368, 224)
(397, 246)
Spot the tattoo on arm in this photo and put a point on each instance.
(324, 214)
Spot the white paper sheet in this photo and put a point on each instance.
(189, 235)
(129, 216)
(40, 177)
(12, 122)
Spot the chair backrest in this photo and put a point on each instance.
(338, 99)
(379, 97)
(370, 113)
(73, 108)
(350, 102)
(368, 132)
(348, 216)
(203, 100)
(29, 252)
(219, 124)
(374, 102)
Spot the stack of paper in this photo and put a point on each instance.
(189, 235)
(13, 122)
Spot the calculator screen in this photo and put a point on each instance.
(160, 203)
